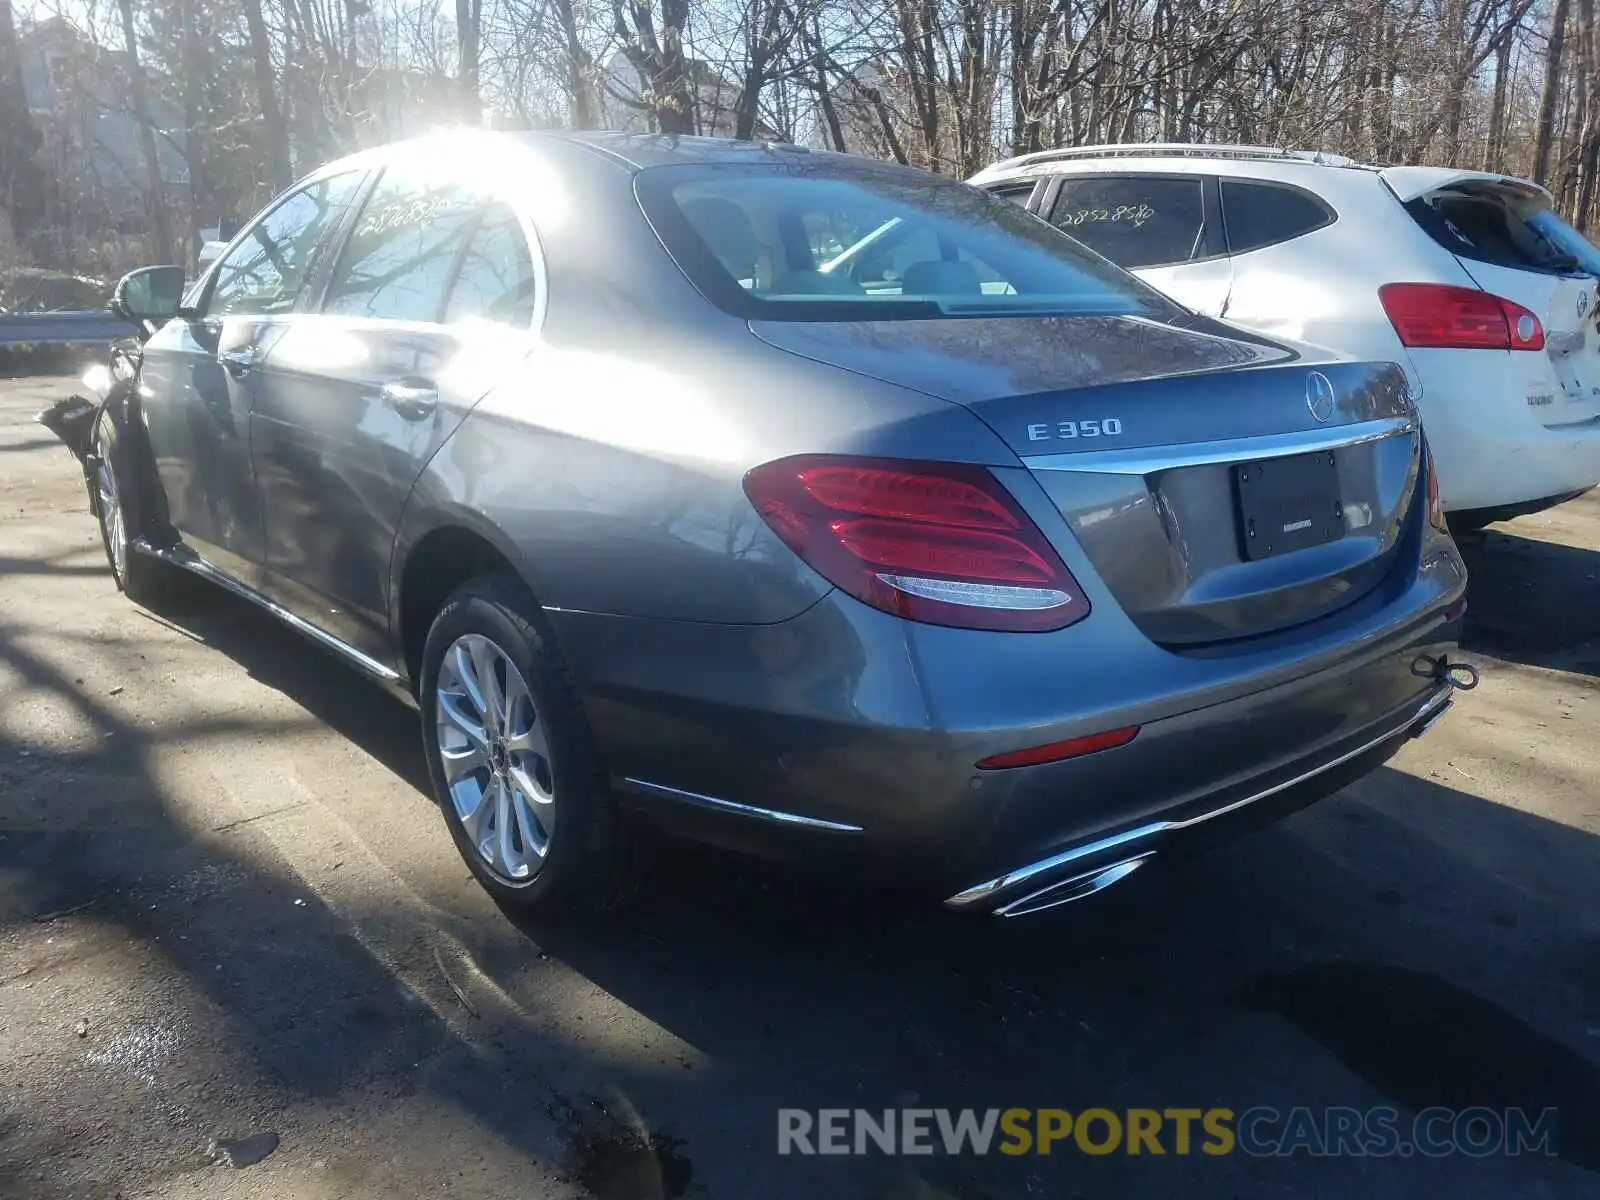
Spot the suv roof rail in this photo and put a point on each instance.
(1178, 150)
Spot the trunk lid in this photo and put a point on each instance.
(1512, 244)
(1221, 487)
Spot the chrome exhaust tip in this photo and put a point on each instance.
(1079, 887)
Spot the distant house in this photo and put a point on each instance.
(626, 106)
(79, 96)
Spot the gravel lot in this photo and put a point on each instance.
(228, 908)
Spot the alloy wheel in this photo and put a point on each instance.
(111, 519)
(496, 756)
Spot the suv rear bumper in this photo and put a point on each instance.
(1492, 450)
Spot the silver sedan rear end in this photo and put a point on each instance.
(878, 522)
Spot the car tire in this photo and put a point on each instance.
(120, 508)
(532, 772)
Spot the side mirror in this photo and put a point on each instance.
(149, 294)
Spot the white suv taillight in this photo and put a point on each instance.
(942, 543)
(1442, 316)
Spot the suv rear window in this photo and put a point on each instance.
(1506, 231)
(1135, 221)
(1264, 214)
(820, 241)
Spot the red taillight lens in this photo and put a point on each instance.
(1056, 751)
(937, 542)
(1437, 315)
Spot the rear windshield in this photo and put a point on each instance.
(1507, 231)
(822, 242)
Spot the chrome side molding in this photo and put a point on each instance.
(774, 815)
(1143, 460)
(198, 566)
(1415, 725)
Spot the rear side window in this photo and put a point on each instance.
(1263, 214)
(402, 253)
(1017, 193)
(496, 281)
(1505, 231)
(1135, 221)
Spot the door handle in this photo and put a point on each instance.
(238, 362)
(413, 399)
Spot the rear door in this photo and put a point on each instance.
(430, 300)
(1163, 228)
(1507, 238)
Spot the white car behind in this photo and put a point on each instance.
(1469, 280)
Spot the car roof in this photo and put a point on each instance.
(632, 150)
(1265, 161)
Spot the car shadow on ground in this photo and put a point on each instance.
(1374, 925)
(1533, 601)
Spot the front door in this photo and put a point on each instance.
(199, 373)
(354, 399)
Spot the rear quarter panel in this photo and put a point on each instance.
(614, 478)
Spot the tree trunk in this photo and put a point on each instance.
(272, 123)
(1589, 131)
(1494, 148)
(469, 33)
(580, 69)
(21, 179)
(1550, 93)
(160, 213)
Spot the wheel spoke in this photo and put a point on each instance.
(535, 833)
(450, 707)
(527, 782)
(510, 861)
(519, 711)
(531, 740)
(474, 819)
(462, 761)
(466, 672)
(485, 657)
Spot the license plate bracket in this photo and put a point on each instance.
(1288, 504)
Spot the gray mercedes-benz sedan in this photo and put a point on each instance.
(802, 503)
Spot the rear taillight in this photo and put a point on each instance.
(937, 542)
(1438, 315)
(1435, 508)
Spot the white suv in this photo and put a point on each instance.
(1468, 280)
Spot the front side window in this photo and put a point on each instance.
(496, 282)
(825, 242)
(265, 272)
(1263, 214)
(401, 255)
(1135, 221)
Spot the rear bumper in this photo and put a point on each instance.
(848, 738)
(1492, 450)
(1088, 867)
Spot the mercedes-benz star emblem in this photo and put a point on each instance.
(1321, 399)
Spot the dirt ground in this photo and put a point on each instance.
(229, 910)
